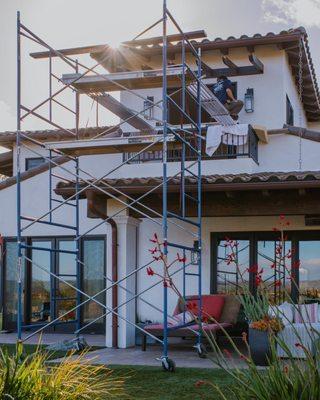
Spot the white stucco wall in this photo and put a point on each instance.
(270, 88)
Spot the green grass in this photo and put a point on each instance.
(153, 383)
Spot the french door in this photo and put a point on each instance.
(49, 296)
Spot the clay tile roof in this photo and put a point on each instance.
(286, 38)
(256, 181)
(8, 138)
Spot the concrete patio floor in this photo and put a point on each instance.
(185, 358)
(50, 338)
(183, 354)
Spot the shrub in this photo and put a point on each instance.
(32, 377)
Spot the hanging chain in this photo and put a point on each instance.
(300, 92)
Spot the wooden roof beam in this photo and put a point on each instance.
(200, 34)
(226, 61)
(72, 51)
(256, 62)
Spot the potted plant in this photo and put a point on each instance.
(260, 333)
(261, 325)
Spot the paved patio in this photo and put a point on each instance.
(181, 352)
(50, 338)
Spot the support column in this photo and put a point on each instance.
(127, 262)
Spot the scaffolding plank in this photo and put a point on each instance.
(114, 145)
(143, 79)
(123, 112)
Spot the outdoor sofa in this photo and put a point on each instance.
(221, 308)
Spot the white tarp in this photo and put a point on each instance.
(218, 133)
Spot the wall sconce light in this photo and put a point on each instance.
(195, 253)
(248, 101)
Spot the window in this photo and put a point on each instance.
(289, 112)
(259, 250)
(45, 297)
(94, 281)
(148, 109)
(231, 276)
(34, 162)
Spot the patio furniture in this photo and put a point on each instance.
(222, 308)
(301, 326)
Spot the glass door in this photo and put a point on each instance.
(233, 262)
(309, 270)
(10, 286)
(40, 283)
(65, 298)
(275, 270)
(94, 281)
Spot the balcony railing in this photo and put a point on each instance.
(231, 147)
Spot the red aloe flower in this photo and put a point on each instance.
(150, 271)
(277, 283)
(258, 280)
(227, 353)
(253, 269)
(180, 258)
(296, 264)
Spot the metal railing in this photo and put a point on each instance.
(231, 147)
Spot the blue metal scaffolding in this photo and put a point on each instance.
(189, 138)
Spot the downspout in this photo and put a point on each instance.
(94, 210)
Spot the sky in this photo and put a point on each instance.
(74, 23)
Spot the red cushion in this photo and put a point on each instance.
(212, 305)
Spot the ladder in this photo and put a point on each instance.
(211, 104)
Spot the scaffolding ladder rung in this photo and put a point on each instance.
(173, 215)
(64, 202)
(180, 246)
(27, 246)
(40, 221)
(191, 274)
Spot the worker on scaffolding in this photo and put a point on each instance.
(222, 89)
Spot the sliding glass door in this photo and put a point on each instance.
(40, 282)
(10, 286)
(46, 297)
(94, 281)
(297, 274)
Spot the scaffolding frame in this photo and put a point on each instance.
(190, 138)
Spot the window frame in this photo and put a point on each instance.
(27, 276)
(28, 159)
(294, 236)
(289, 112)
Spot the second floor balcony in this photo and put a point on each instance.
(230, 148)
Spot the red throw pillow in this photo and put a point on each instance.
(212, 306)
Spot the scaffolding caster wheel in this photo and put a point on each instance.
(201, 350)
(168, 364)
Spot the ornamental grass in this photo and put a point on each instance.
(32, 377)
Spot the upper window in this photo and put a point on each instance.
(148, 109)
(289, 112)
(34, 162)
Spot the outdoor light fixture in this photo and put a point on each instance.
(195, 253)
(248, 101)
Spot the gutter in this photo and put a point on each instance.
(92, 207)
